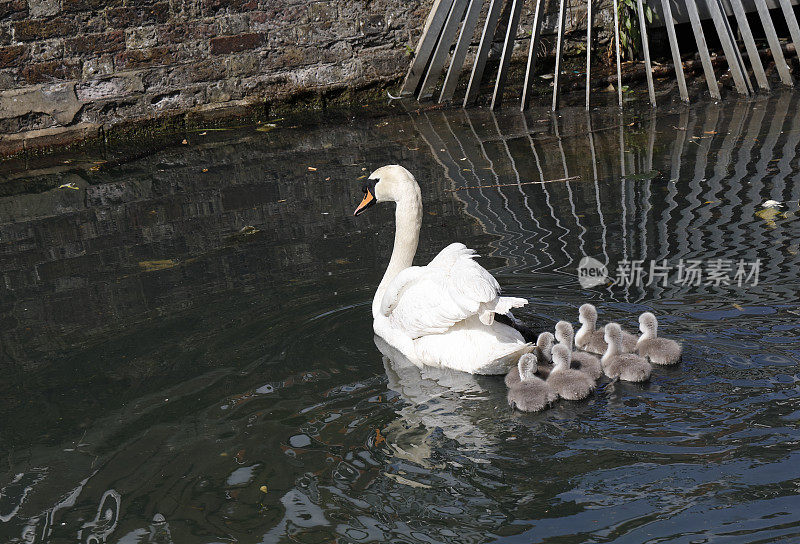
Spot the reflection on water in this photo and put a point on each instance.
(171, 376)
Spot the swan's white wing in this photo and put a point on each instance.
(431, 299)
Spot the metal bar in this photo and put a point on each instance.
(489, 27)
(536, 31)
(442, 49)
(619, 54)
(648, 68)
(589, 21)
(727, 45)
(774, 44)
(736, 50)
(791, 22)
(430, 35)
(562, 13)
(702, 48)
(508, 48)
(462, 45)
(749, 43)
(669, 22)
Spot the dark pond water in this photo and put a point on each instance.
(170, 378)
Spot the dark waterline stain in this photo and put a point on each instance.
(188, 355)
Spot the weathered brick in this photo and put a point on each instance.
(179, 32)
(281, 15)
(233, 44)
(138, 58)
(107, 42)
(13, 9)
(246, 64)
(228, 25)
(12, 56)
(41, 29)
(322, 11)
(98, 66)
(5, 34)
(87, 5)
(42, 72)
(211, 7)
(44, 8)
(141, 37)
(47, 49)
(128, 16)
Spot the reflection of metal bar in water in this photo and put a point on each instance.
(787, 156)
(733, 201)
(733, 129)
(619, 52)
(508, 48)
(545, 231)
(702, 49)
(460, 52)
(442, 49)
(481, 56)
(695, 202)
(674, 177)
(669, 23)
(554, 120)
(774, 44)
(520, 233)
(536, 30)
(648, 69)
(473, 169)
(749, 43)
(562, 15)
(740, 78)
(646, 199)
(758, 240)
(596, 180)
(430, 35)
(506, 232)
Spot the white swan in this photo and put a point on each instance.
(442, 314)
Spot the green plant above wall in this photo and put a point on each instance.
(630, 36)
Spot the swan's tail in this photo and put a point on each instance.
(501, 305)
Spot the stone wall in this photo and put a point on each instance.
(90, 64)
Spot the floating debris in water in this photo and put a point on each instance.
(248, 230)
(769, 215)
(772, 204)
(158, 518)
(263, 489)
(312, 169)
(69, 186)
(185, 141)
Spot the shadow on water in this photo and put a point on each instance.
(170, 375)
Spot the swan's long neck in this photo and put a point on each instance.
(408, 220)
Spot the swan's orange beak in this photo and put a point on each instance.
(365, 203)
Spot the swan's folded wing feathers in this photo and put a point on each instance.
(436, 297)
(396, 288)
